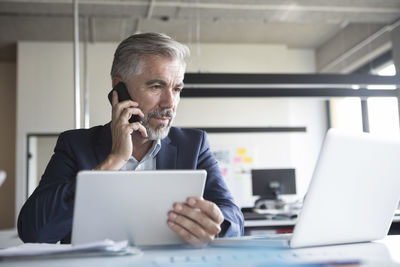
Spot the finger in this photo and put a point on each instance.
(118, 108)
(128, 112)
(191, 226)
(128, 129)
(185, 235)
(137, 126)
(123, 130)
(141, 129)
(199, 217)
(207, 207)
(114, 100)
(124, 116)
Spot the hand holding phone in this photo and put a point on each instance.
(123, 95)
(121, 131)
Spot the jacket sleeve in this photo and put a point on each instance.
(47, 215)
(217, 192)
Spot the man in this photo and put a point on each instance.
(152, 67)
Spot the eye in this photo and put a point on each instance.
(156, 87)
(178, 89)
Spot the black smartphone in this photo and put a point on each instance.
(123, 95)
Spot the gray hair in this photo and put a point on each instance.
(130, 52)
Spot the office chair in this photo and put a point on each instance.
(3, 176)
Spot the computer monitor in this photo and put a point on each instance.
(270, 183)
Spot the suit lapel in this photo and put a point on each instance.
(103, 143)
(167, 156)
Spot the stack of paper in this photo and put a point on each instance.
(106, 247)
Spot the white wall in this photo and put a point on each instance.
(45, 99)
(250, 59)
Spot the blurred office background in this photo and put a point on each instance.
(225, 36)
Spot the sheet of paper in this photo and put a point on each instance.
(108, 247)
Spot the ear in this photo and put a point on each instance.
(115, 81)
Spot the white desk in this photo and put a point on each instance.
(270, 226)
(9, 238)
(381, 253)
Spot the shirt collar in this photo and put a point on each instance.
(152, 153)
(155, 148)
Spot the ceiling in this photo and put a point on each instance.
(296, 23)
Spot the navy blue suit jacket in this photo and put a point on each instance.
(47, 214)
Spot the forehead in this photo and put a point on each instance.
(162, 66)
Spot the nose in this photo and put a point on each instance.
(167, 99)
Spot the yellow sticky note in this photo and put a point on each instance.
(248, 160)
(241, 151)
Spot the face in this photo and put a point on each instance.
(157, 90)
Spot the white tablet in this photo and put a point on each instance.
(131, 205)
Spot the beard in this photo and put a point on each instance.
(161, 130)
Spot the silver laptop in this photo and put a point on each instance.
(131, 205)
(352, 197)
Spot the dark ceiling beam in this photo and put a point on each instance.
(201, 79)
(287, 85)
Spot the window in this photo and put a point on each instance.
(383, 112)
(346, 113)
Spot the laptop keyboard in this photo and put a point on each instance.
(262, 258)
(273, 237)
(212, 260)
